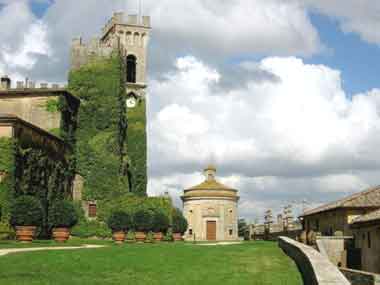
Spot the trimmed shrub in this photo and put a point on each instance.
(131, 204)
(168, 236)
(89, 229)
(119, 221)
(26, 211)
(160, 222)
(62, 214)
(143, 220)
(179, 222)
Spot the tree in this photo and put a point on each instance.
(243, 228)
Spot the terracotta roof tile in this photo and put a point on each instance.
(368, 198)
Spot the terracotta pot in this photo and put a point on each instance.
(25, 233)
(177, 236)
(303, 237)
(158, 236)
(140, 236)
(61, 234)
(119, 237)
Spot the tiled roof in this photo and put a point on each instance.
(371, 216)
(370, 198)
(210, 185)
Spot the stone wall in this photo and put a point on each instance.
(33, 109)
(357, 277)
(315, 268)
(334, 248)
(367, 238)
(222, 211)
(329, 222)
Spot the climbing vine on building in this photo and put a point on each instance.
(101, 152)
(137, 146)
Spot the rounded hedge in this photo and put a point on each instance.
(160, 222)
(143, 220)
(179, 222)
(119, 221)
(26, 211)
(62, 213)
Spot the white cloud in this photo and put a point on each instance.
(23, 39)
(304, 118)
(277, 140)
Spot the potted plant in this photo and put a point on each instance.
(179, 225)
(25, 216)
(62, 217)
(119, 222)
(143, 220)
(160, 225)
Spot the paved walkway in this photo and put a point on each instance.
(6, 251)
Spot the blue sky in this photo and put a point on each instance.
(356, 59)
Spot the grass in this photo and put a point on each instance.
(4, 244)
(174, 263)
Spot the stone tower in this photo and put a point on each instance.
(130, 35)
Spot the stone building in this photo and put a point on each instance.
(366, 233)
(37, 105)
(211, 210)
(338, 215)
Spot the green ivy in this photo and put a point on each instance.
(39, 174)
(137, 146)
(102, 130)
(7, 167)
(52, 105)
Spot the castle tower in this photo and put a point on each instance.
(132, 33)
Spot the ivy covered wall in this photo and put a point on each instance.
(137, 148)
(34, 163)
(7, 158)
(101, 152)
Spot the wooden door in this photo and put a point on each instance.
(211, 230)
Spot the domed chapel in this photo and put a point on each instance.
(211, 210)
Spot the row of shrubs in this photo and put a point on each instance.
(27, 211)
(144, 220)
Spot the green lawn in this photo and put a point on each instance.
(180, 263)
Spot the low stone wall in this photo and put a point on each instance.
(334, 248)
(315, 268)
(357, 277)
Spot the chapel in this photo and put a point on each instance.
(211, 210)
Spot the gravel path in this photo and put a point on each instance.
(16, 250)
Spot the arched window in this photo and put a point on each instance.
(143, 40)
(131, 68)
(136, 38)
(129, 38)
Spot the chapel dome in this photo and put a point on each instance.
(210, 188)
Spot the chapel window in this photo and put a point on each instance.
(190, 231)
(230, 232)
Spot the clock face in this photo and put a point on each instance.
(131, 102)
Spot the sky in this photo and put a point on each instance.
(282, 96)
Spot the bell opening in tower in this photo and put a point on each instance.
(131, 68)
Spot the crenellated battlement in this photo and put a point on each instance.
(120, 18)
(6, 85)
